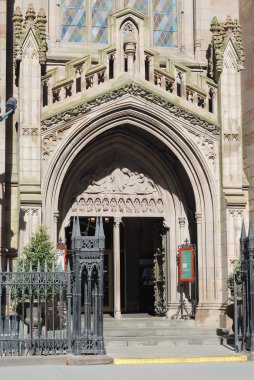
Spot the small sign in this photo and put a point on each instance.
(186, 264)
(61, 258)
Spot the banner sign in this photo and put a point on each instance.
(186, 264)
(61, 257)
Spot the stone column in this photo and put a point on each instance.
(3, 36)
(55, 235)
(181, 221)
(117, 268)
(130, 50)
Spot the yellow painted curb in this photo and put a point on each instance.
(203, 359)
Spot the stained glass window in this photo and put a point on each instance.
(165, 23)
(140, 5)
(100, 11)
(73, 23)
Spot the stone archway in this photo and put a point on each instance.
(174, 148)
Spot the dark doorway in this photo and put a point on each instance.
(142, 238)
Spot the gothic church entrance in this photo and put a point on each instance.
(146, 200)
(140, 239)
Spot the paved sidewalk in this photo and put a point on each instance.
(136, 355)
(176, 354)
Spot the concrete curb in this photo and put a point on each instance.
(70, 360)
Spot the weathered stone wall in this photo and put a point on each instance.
(246, 19)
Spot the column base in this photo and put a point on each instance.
(117, 315)
(211, 315)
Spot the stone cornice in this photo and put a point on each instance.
(132, 89)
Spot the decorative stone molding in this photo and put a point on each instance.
(206, 144)
(137, 91)
(235, 213)
(222, 33)
(198, 217)
(181, 221)
(30, 131)
(50, 141)
(22, 28)
(121, 191)
(231, 136)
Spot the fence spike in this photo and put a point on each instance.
(73, 228)
(97, 228)
(251, 233)
(243, 231)
(46, 266)
(0, 264)
(68, 266)
(53, 266)
(101, 235)
(38, 266)
(31, 266)
(78, 232)
(8, 264)
(23, 266)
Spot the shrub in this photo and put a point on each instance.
(237, 269)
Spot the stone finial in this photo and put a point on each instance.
(40, 26)
(17, 16)
(221, 33)
(18, 32)
(229, 24)
(22, 27)
(30, 14)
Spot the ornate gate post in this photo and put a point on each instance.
(88, 258)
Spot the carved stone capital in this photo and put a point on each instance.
(198, 217)
(181, 221)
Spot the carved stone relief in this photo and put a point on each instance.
(118, 190)
(52, 140)
(30, 131)
(137, 91)
(207, 145)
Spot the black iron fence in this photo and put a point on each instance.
(49, 312)
(36, 312)
(244, 295)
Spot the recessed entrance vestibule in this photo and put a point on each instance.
(130, 265)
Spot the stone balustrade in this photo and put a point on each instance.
(82, 76)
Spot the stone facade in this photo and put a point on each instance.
(131, 128)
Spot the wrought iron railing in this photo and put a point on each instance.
(35, 312)
(244, 295)
(48, 312)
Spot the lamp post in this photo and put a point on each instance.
(11, 105)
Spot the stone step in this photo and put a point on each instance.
(148, 323)
(154, 341)
(155, 332)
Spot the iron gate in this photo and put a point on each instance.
(244, 286)
(49, 312)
